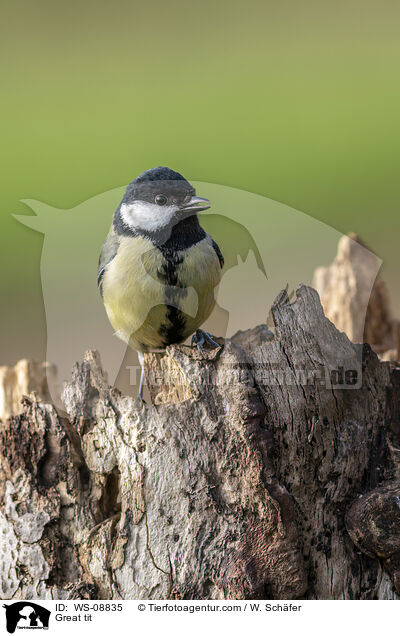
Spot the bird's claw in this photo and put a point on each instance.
(200, 338)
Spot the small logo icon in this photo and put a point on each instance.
(26, 615)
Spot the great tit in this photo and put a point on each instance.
(158, 268)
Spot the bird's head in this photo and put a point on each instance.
(159, 199)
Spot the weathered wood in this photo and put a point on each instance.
(233, 483)
(21, 379)
(355, 298)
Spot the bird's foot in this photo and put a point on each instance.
(140, 400)
(200, 338)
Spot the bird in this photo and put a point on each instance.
(158, 268)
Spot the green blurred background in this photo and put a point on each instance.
(297, 101)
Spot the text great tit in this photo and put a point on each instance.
(158, 268)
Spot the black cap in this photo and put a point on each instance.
(158, 180)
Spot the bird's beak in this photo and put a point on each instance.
(196, 204)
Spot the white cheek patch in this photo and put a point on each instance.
(142, 215)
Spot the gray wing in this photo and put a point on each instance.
(108, 252)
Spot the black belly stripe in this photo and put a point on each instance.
(168, 274)
(172, 330)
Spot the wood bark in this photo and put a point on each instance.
(249, 475)
(356, 299)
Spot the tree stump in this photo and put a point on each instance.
(267, 468)
(356, 299)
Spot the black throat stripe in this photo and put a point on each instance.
(180, 236)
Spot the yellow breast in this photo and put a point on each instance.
(152, 299)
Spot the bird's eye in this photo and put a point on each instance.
(161, 199)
